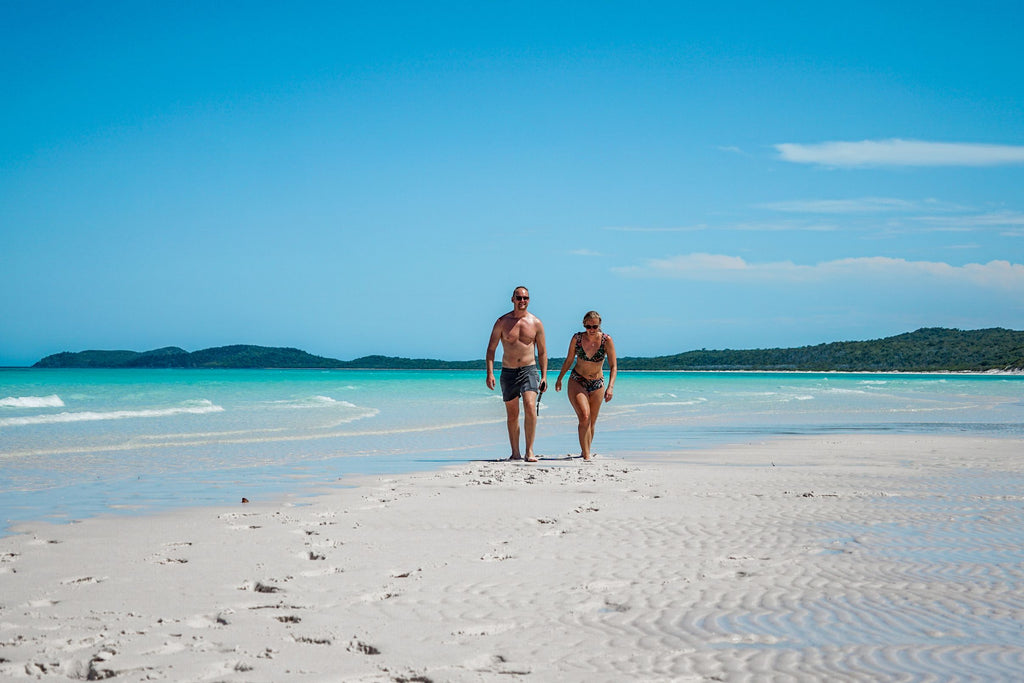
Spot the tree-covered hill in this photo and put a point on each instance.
(392, 363)
(926, 350)
(238, 356)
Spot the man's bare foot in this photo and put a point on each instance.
(588, 458)
(532, 458)
(515, 457)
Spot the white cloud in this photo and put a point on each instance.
(896, 152)
(721, 268)
(585, 252)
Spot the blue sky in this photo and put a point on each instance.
(359, 178)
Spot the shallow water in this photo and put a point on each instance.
(76, 443)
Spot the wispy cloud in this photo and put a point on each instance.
(897, 152)
(585, 252)
(1007, 223)
(779, 226)
(902, 215)
(722, 268)
(746, 226)
(857, 205)
(991, 219)
(634, 228)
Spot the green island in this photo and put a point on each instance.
(933, 349)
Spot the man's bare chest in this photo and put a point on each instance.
(519, 332)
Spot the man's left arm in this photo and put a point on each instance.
(542, 354)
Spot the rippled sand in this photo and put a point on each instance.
(843, 558)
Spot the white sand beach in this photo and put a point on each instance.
(847, 557)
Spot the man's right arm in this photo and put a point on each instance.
(492, 346)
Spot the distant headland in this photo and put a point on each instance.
(933, 349)
(239, 357)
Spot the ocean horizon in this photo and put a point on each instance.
(76, 443)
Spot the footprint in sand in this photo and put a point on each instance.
(209, 620)
(383, 595)
(479, 631)
(356, 645)
(43, 603)
(326, 571)
(496, 664)
(490, 557)
(81, 580)
(260, 587)
(405, 575)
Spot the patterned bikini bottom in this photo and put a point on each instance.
(589, 385)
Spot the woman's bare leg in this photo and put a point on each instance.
(580, 401)
(595, 400)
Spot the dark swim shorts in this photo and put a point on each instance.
(515, 381)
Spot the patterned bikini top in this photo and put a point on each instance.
(582, 355)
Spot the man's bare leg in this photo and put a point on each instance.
(512, 416)
(530, 422)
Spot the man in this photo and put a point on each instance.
(521, 335)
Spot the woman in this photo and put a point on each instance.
(586, 381)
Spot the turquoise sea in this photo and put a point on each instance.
(77, 443)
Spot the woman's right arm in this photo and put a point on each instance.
(567, 364)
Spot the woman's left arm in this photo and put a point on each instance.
(613, 369)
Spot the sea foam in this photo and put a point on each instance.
(51, 401)
(190, 408)
(315, 402)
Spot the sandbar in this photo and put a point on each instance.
(841, 557)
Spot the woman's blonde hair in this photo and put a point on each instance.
(591, 315)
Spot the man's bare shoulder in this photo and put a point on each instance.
(503, 319)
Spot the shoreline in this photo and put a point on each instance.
(942, 373)
(497, 366)
(842, 557)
